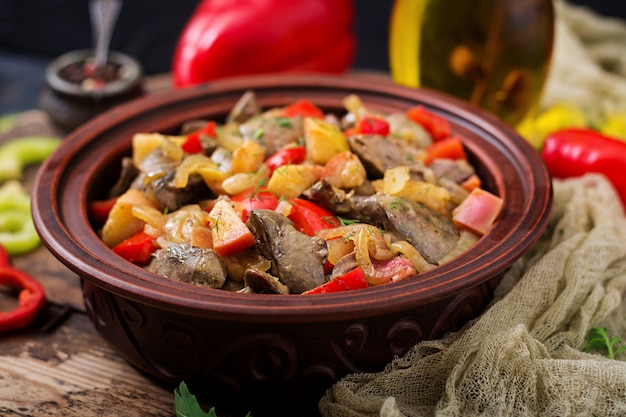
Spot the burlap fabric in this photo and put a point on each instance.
(589, 61)
(524, 356)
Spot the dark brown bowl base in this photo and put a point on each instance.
(261, 365)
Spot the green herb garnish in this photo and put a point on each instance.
(347, 222)
(283, 122)
(599, 338)
(186, 404)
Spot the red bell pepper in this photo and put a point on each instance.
(237, 37)
(576, 151)
(137, 249)
(303, 108)
(254, 199)
(372, 125)
(193, 143)
(308, 217)
(352, 280)
(437, 126)
(99, 210)
(286, 156)
(450, 148)
(31, 299)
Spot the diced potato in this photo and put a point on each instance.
(213, 177)
(289, 181)
(230, 233)
(395, 179)
(344, 170)
(244, 181)
(323, 140)
(378, 185)
(397, 182)
(144, 143)
(248, 157)
(121, 223)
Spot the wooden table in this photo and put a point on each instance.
(61, 366)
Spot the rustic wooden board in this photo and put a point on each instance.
(61, 366)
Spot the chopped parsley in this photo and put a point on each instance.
(347, 222)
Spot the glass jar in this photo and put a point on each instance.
(494, 54)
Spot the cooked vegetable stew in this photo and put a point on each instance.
(293, 200)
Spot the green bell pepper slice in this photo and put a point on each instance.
(18, 153)
(17, 230)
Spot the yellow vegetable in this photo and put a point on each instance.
(248, 157)
(397, 182)
(229, 136)
(244, 181)
(323, 140)
(121, 223)
(192, 164)
(345, 170)
(615, 125)
(144, 143)
(230, 233)
(550, 120)
(289, 181)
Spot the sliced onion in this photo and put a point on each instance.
(190, 165)
(373, 275)
(407, 250)
(181, 223)
(151, 216)
(172, 149)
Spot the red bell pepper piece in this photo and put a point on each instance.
(372, 125)
(437, 126)
(254, 199)
(308, 217)
(99, 210)
(450, 148)
(577, 151)
(286, 156)
(136, 249)
(4, 257)
(303, 108)
(193, 144)
(237, 37)
(31, 299)
(471, 183)
(352, 280)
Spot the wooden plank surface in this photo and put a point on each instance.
(61, 366)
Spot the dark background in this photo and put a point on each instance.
(33, 32)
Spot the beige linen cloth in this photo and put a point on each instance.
(524, 355)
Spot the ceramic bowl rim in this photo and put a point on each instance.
(121, 277)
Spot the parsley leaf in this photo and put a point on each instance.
(599, 338)
(186, 404)
(347, 222)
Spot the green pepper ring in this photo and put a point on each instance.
(17, 232)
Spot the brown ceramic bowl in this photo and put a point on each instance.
(259, 348)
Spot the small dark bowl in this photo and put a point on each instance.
(265, 348)
(70, 102)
